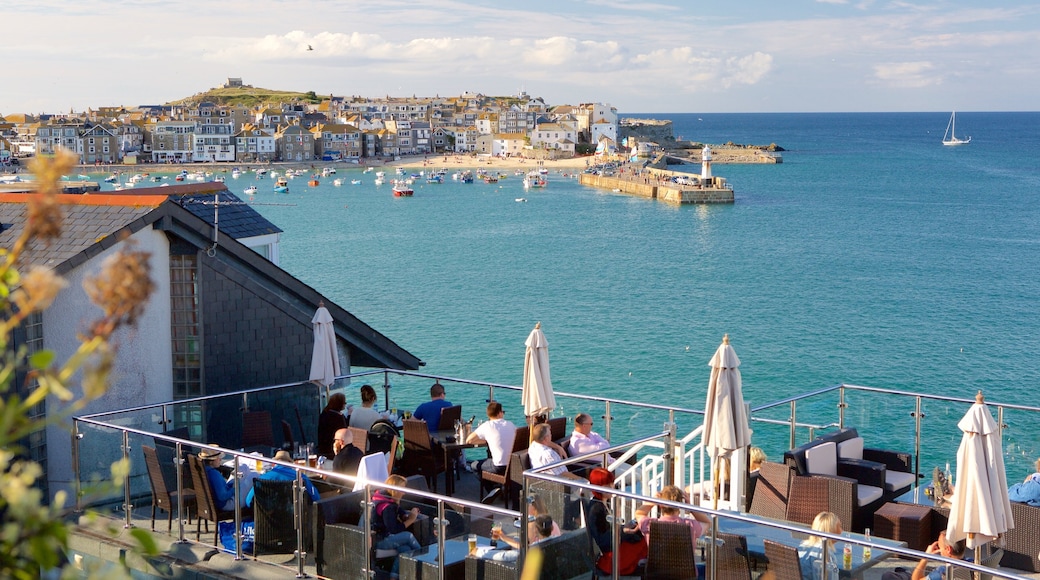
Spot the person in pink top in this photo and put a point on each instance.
(584, 439)
(670, 514)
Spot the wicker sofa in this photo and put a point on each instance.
(892, 471)
(565, 556)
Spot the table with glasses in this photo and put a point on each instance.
(449, 445)
(422, 564)
(755, 534)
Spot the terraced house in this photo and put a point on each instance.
(335, 141)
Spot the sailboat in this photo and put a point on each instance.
(950, 138)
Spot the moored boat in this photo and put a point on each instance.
(402, 189)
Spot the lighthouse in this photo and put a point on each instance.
(706, 164)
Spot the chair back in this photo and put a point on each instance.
(391, 458)
(274, 514)
(288, 443)
(416, 436)
(783, 560)
(731, 558)
(160, 494)
(772, 490)
(806, 498)
(207, 506)
(671, 555)
(991, 561)
(523, 438)
(558, 428)
(448, 417)
(257, 430)
(420, 455)
(360, 438)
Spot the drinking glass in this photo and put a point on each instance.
(472, 543)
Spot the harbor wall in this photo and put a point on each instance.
(663, 191)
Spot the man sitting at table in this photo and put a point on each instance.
(584, 439)
(430, 411)
(285, 473)
(543, 452)
(347, 456)
(498, 433)
(224, 488)
(943, 548)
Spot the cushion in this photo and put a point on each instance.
(867, 494)
(898, 479)
(851, 448)
(822, 459)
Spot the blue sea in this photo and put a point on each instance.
(872, 255)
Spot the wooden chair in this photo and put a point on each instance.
(162, 498)
(783, 560)
(421, 456)
(772, 490)
(288, 442)
(732, 561)
(392, 459)
(257, 430)
(207, 509)
(671, 555)
(274, 514)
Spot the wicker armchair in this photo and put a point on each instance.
(671, 555)
(421, 455)
(344, 508)
(783, 560)
(1022, 543)
(771, 491)
(162, 498)
(732, 560)
(810, 495)
(563, 557)
(274, 513)
(208, 510)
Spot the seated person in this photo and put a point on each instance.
(632, 548)
(810, 552)
(331, 420)
(430, 411)
(670, 514)
(224, 488)
(498, 433)
(390, 524)
(1035, 476)
(543, 527)
(943, 548)
(543, 451)
(284, 473)
(584, 439)
(347, 456)
(364, 417)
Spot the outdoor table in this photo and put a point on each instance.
(422, 564)
(755, 534)
(446, 439)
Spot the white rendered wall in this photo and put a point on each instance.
(143, 369)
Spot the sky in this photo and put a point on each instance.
(679, 56)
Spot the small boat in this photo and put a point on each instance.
(521, 200)
(950, 137)
(281, 185)
(235, 173)
(112, 178)
(379, 181)
(313, 182)
(402, 190)
(337, 182)
(218, 179)
(327, 171)
(490, 179)
(435, 178)
(534, 179)
(157, 179)
(251, 190)
(466, 177)
(355, 182)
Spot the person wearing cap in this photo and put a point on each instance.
(284, 473)
(223, 489)
(430, 411)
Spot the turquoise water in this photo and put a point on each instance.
(873, 255)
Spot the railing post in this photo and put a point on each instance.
(77, 476)
(441, 531)
(669, 452)
(245, 402)
(178, 464)
(238, 512)
(918, 416)
(841, 407)
(527, 500)
(128, 507)
(366, 514)
(606, 420)
(298, 491)
(165, 419)
(794, 423)
(386, 391)
(714, 547)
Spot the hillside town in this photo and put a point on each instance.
(336, 129)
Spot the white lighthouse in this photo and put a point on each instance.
(705, 164)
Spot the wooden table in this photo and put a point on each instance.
(446, 439)
(755, 534)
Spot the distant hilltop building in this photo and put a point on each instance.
(233, 83)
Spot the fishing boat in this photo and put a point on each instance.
(401, 189)
(281, 185)
(435, 178)
(251, 190)
(950, 137)
(466, 177)
(337, 182)
(355, 182)
(534, 179)
(314, 182)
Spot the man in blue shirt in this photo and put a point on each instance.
(285, 473)
(430, 411)
(943, 548)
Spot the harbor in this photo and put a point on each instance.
(655, 181)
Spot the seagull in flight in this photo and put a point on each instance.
(309, 47)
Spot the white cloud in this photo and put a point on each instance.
(907, 74)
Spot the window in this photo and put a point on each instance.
(184, 311)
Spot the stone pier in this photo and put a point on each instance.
(651, 186)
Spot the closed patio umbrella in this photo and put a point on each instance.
(725, 420)
(325, 359)
(537, 395)
(979, 510)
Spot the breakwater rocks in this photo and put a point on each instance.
(657, 184)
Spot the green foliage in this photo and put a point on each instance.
(247, 97)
